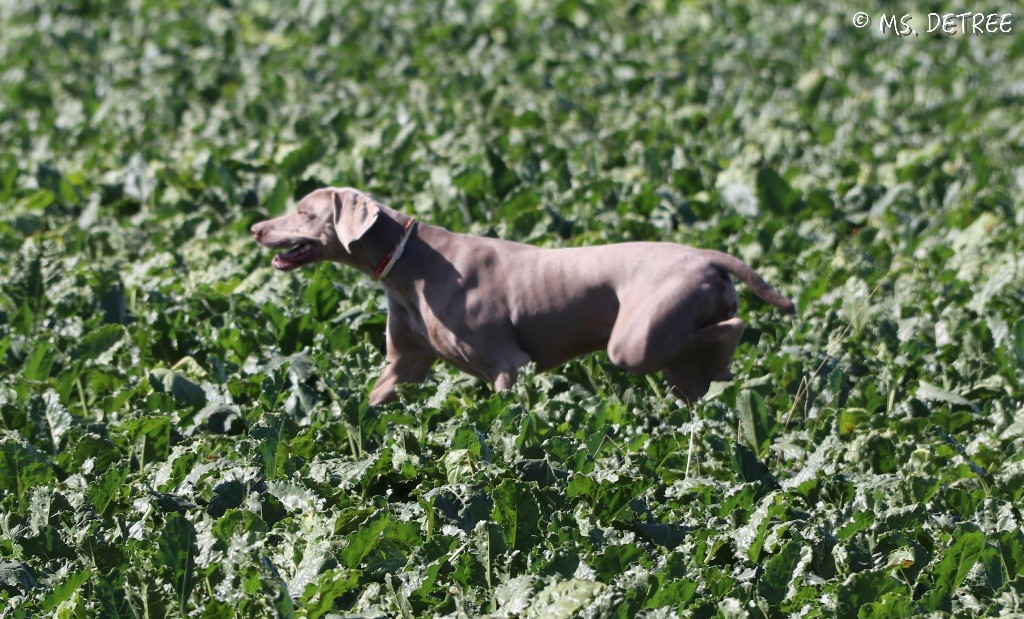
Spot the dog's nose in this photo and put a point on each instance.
(257, 230)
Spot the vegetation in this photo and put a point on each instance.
(185, 431)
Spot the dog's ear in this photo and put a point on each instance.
(354, 213)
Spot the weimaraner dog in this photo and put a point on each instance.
(489, 306)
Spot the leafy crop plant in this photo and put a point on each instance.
(184, 433)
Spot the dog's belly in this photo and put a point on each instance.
(582, 325)
(547, 357)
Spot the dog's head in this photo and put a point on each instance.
(323, 226)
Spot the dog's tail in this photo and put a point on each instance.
(749, 276)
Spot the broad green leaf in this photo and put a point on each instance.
(564, 599)
(614, 560)
(609, 494)
(362, 542)
(750, 538)
(849, 419)
(175, 556)
(67, 587)
(503, 179)
(957, 560)
(892, 604)
(40, 361)
(22, 468)
(517, 512)
(928, 391)
(513, 595)
(110, 484)
(319, 598)
(17, 578)
(93, 345)
(749, 468)
(1011, 549)
(1009, 598)
(227, 495)
(674, 593)
(756, 420)
(278, 199)
(779, 573)
(177, 385)
(472, 181)
(774, 193)
(52, 415)
(297, 160)
(863, 588)
(322, 295)
(272, 434)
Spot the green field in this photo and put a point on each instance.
(184, 431)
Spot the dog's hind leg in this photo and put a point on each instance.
(703, 359)
(505, 375)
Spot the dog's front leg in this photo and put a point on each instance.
(408, 360)
(405, 368)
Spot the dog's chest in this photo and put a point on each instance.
(434, 335)
(446, 344)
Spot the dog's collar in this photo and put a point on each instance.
(389, 260)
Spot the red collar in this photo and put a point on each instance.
(392, 257)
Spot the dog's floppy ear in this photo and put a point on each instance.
(354, 213)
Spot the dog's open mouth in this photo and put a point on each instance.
(299, 255)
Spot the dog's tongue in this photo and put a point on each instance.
(281, 262)
(294, 258)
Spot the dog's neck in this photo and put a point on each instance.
(380, 242)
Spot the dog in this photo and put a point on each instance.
(489, 306)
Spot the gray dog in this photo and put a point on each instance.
(489, 306)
